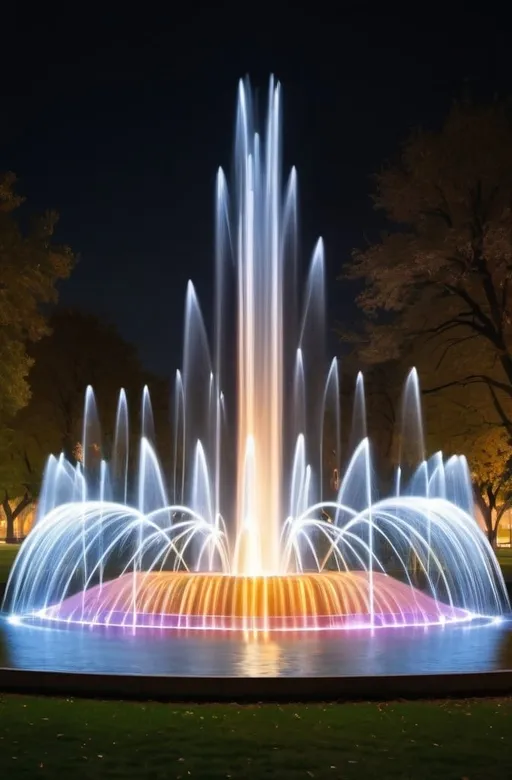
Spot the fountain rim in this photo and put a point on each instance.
(230, 689)
(182, 624)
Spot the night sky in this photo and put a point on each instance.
(120, 123)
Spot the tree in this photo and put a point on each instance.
(466, 422)
(441, 280)
(21, 467)
(490, 458)
(79, 350)
(30, 266)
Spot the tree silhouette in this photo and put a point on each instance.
(79, 351)
(491, 462)
(440, 280)
(30, 266)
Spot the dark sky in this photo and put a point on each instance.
(120, 122)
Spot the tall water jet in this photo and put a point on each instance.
(259, 264)
(121, 449)
(412, 438)
(359, 423)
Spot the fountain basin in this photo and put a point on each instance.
(224, 602)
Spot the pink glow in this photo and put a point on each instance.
(340, 602)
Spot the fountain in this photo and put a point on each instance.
(244, 536)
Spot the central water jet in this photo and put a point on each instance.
(259, 258)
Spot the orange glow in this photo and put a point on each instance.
(294, 601)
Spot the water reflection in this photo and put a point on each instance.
(408, 651)
(262, 658)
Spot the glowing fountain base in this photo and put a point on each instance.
(294, 602)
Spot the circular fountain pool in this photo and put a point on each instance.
(482, 646)
(240, 561)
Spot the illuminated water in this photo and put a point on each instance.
(246, 537)
(399, 651)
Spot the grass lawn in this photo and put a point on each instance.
(93, 739)
(7, 555)
(504, 555)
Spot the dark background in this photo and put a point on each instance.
(120, 121)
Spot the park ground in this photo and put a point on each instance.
(84, 739)
(59, 737)
(8, 553)
(504, 555)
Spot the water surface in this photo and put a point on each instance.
(385, 652)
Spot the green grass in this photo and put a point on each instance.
(7, 555)
(91, 739)
(504, 555)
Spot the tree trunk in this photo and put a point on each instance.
(492, 535)
(12, 514)
(506, 364)
(486, 508)
(9, 520)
